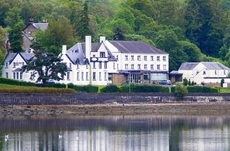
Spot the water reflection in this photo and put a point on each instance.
(115, 133)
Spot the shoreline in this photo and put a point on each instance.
(107, 109)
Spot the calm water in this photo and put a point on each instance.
(116, 133)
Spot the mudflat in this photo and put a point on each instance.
(173, 108)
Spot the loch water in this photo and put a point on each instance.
(115, 133)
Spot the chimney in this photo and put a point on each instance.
(64, 49)
(88, 47)
(102, 39)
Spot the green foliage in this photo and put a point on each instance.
(143, 88)
(47, 65)
(201, 89)
(6, 88)
(15, 82)
(87, 88)
(110, 88)
(180, 91)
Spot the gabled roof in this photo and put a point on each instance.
(135, 47)
(40, 26)
(25, 56)
(208, 65)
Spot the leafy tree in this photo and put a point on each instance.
(15, 23)
(180, 91)
(118, 35)
(60, 32)
(47, 65)
(205, 24)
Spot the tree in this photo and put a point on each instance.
(15, 23)
(47, 66)
(82, 26)
(60, 32)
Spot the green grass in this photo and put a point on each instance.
(224, 90)
(5, 88)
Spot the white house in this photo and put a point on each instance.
(101, 63)
(12, 66)
(116, 62)
(206, 72)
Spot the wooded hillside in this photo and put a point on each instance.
(191, 30)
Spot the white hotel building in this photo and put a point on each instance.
(101, 63)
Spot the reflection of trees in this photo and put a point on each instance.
(116, 123)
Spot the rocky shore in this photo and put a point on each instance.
(173, 108)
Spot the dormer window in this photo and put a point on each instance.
(204, 72)
(102, 54)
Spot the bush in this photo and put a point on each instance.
(110, 88)
(180, 91)
(201, 89)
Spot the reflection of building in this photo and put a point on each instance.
(116, 62)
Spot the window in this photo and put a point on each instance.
(164, 58)
(138, 58)
(86, 76)
(99, 76)
(132, 66)
(145, 66)
(215, 72)
(114, 66)
(152, 67)
(126, 66)
(77, 76)
(117, 66)
(87, 66)
(158, 58)
(204, 72)
(100, 65)
(68, 76)
(21, 75)
(82, 76)
(14, 65)
(77, 66)
(152, 58)
(102, 54)
(145, 58)
(94, 65)
(139, 66)
(105, 65)
(132, 58)
(164, 67)
(17, 75)
(7, 64)
(224, 72)
(158, 67)
(126, 58)
(14, 75)
(70, 65)
(105, 76)
(94, 76)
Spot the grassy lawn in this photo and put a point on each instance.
(5, 88)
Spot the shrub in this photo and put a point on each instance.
(110, 88)
(180, 91)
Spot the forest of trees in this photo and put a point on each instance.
(189, 30)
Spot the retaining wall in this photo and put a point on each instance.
(95, 98)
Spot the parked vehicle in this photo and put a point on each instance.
(165, 82)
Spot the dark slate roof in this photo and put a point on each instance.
(10, 57)
(208, 65)
(135, 47)
(26, 56)
(75, 54)
(41, 26)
